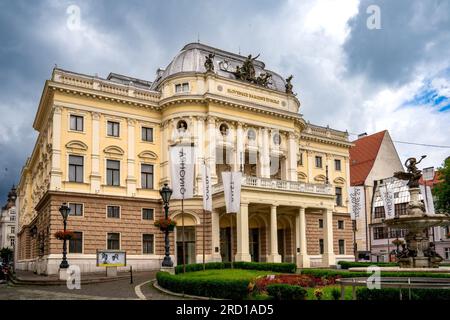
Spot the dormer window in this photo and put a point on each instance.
(182, 87)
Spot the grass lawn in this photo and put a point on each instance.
(225, 274)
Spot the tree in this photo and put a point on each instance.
(442, 189)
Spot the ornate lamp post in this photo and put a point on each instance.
(64, 210)
(166, 193)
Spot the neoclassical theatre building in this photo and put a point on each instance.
(103, 147)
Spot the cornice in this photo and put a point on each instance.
(326, 140)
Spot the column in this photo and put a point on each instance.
(265, 165)
(328, 258)
(212, 148)
(95, 154)
(56, 173)
(131, 177)
(274, 256)
(310, 159)
(164, 129)
(292, 161)
(300, 226)
(243, 249)
(239, 146)
(215, 223)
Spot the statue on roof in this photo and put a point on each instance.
(289, 85)
(264, 79)
(209, 62)
(247, 72)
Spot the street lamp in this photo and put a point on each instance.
(166, 193)
(64, 210)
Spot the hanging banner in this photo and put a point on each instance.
(387, 195)
(427, 199)
(207, 188)
(182, 161)
(232, 190)
(357, 202)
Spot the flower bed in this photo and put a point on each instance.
(302, 280)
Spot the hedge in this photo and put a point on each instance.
(263, 266)
(351, 264)
(281, 291)
(389, 294)
(226, 289)
(351, 274)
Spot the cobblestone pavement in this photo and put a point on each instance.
(119, 289)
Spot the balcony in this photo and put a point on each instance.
(282, 185)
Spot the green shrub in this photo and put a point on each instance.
(226, 289)
(263, 266)
(352, 264)
(388, 294)
(280, 291)
(350, 274)
(335, 294)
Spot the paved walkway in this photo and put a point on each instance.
(116, 290)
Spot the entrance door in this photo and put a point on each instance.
(254, 244)
(189, 244)
(225, 244)
(280, 235)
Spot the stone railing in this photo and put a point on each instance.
(103, 85)
(283, 185)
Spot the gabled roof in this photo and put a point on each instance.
(363, 155)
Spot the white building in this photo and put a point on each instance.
(8, 222)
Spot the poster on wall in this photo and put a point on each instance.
(387, 195)
(357, 202)
(111, 258)
(207, 188)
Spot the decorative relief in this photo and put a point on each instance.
(148, 155)
(114, 151)
(76, 145)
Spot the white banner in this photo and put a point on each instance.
(207, 188)
(232, 190)
(387, 195)
(427, 199)
(357, 202)
(182, 160)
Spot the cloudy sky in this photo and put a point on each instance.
(346, 75)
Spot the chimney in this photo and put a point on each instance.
(361, 135)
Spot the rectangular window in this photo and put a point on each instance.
(113, 129)
(147, 214)
(12, 242)
(147, 176)
(447, 253)
(318, 162)
(341, 224)
(341, 246)
(113, 212)
(321, 250)
(182, 87)
(76, 169)
(76, 123)
(76, 209)
(12, 217)
(147, 134)
(113, 241)
(148, 244)
(379, 233)
(112, 172)
(400, 209)
(300, 159)
(13, 230)
(76, 243)
(320, 223)
(337, 164)
(379, 212)
(338, 196)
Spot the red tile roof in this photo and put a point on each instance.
(362, 157)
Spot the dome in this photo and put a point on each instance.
(192, 59)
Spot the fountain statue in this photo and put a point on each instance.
(417, 252)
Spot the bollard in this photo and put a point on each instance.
(131, 274)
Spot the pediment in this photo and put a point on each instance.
(148, 155)
(77, 145)
(339, 180)
(320, 178)
(114, 151)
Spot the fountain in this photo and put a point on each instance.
(418, 251)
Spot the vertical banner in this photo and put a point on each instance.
(182, 160)
(207, 188)
(232, 190)
(387, 195)
(427, 197)
(357, 202)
